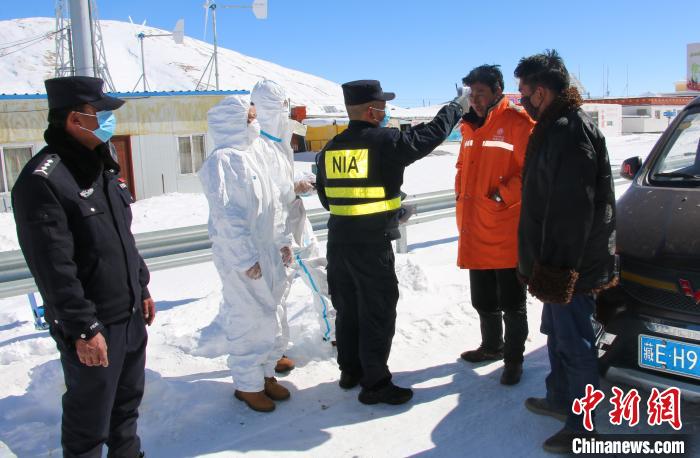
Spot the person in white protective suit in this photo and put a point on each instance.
(272, 106)
(249, 251)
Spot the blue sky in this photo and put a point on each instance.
(419, 49)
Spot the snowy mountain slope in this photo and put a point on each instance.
(169, 66)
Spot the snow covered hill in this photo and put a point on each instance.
(169, 66)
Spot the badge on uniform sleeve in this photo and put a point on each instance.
(125, 188)
(47, 166)
(85, 193)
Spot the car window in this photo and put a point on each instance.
(679, 163)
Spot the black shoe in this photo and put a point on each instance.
(349, 380)
(481, 354)
(389, 394)
(511, 373)
(541, 406)
(561, 441)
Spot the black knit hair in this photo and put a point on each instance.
(489, 75)
(546, 69)
(58, 116)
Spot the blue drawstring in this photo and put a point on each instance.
(326, 335)
(271, 137)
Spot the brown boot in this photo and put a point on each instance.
(284, 365)
(274, 390)
(256, 400)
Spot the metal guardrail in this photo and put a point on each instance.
(190, 245)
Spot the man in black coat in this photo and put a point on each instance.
(73, 221)
(566, 233)
(360, 173)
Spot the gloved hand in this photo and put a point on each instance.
(303, 187)
(286, 253)
(463, 94)
(254, 273)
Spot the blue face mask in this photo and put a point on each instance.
(107, 123)
(385, 120)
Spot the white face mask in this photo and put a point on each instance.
(253, 130)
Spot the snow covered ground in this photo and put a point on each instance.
(189, 410)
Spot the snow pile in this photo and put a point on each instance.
(411, 276)
(169, 66)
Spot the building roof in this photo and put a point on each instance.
(680, 100)
(131, 95)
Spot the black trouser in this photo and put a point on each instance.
(364, 291)
(498, 297)
(100, 404)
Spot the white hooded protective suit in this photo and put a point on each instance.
(272, 110)
(244, 229)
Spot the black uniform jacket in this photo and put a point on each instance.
(390, 151)
(73, 221)
(567, 222)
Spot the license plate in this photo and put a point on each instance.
(670, 356)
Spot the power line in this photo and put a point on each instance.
(12, 44)
(21, 41)
(32, 43)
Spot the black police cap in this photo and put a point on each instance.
(363, 91)
(70, 91)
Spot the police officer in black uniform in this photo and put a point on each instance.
(73, 220)
(360, 173)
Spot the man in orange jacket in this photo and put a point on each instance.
(488, 184)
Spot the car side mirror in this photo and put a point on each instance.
(630, 167)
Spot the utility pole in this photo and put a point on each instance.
(88, 47)
(81, 31)
(141, 36)
(216, 54)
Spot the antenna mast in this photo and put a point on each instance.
(259, 8)
(63, 65)
(101, 69)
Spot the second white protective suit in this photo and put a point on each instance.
(244, 229)
(272, 107)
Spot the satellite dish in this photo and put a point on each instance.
(179, 31)
(260, 9)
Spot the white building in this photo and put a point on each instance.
(647, 114)
(160, 139)
(608, 117)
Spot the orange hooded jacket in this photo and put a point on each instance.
(491, 159)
